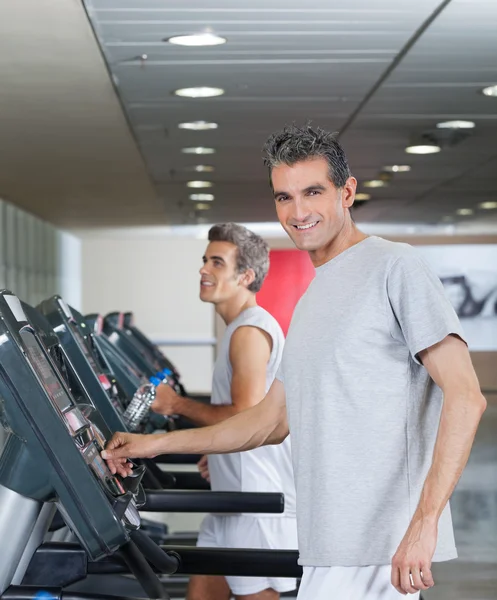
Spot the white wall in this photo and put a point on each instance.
(70, 265)
(157, 278)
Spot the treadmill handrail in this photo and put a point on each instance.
(188, 501)
(218, 561)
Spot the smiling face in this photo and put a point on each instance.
(309, 207)
(219, 279)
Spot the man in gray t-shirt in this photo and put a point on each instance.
(376, 386)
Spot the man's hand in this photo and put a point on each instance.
(166, 401)
(129, 445)
(203, 467)
(411, 565)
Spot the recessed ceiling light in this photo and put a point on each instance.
(465, 211)
(202, 206)
(197, 39)
(202, 197)
(203, 168)
(198, 150)
(491, 90)
(199, 184)
(361, 196)
(456, 125)
(397, 168)
(198, 125)
(374, 183)
(488, 205)
(423, 149)
(199, 92)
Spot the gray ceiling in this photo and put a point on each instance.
(66, 152)
(288, 62)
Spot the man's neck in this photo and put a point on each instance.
(229, 310)
(349, 236)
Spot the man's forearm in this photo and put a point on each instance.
(458, 425)
(246, 430)
(205, 414)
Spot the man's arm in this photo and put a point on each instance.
(265, 423)
(250, 351)
(449, 365)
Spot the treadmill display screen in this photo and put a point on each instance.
(45, 371)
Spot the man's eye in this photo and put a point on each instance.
(281, 198)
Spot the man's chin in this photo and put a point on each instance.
(305, 245)
(204, 297)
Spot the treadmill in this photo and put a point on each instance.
(94, 369)
(114, 330)
(103, 365)
(129, 327)
(124, 356)
(128, 324)
(51, 459)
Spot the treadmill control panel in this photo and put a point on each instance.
(53, 452)
(86, 436)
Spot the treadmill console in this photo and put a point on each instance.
(51, 436)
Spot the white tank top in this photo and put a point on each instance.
(265, 469)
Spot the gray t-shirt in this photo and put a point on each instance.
(363, 412)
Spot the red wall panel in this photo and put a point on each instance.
(290, 273)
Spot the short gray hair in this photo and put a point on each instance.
(253, 252)
(294, 144)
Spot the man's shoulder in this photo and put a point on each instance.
(259, 317)
(387, 253)
(393, 249)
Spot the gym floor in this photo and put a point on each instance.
(473, 576)
(461, 580)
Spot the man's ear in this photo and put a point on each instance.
(348, 193)
(247, 277)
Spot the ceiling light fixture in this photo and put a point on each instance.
(198, 125)
(464, 212)
(198, 150)
(199, 92)
(456, 125)
(202, 197)
(397, 168)
(199, 184)
(197, 39)
(361, 196)
(423, 149)
(488, 205)
(202, 206)
(375, 183)
(491, 90)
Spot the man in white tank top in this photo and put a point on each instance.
(235, 264)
